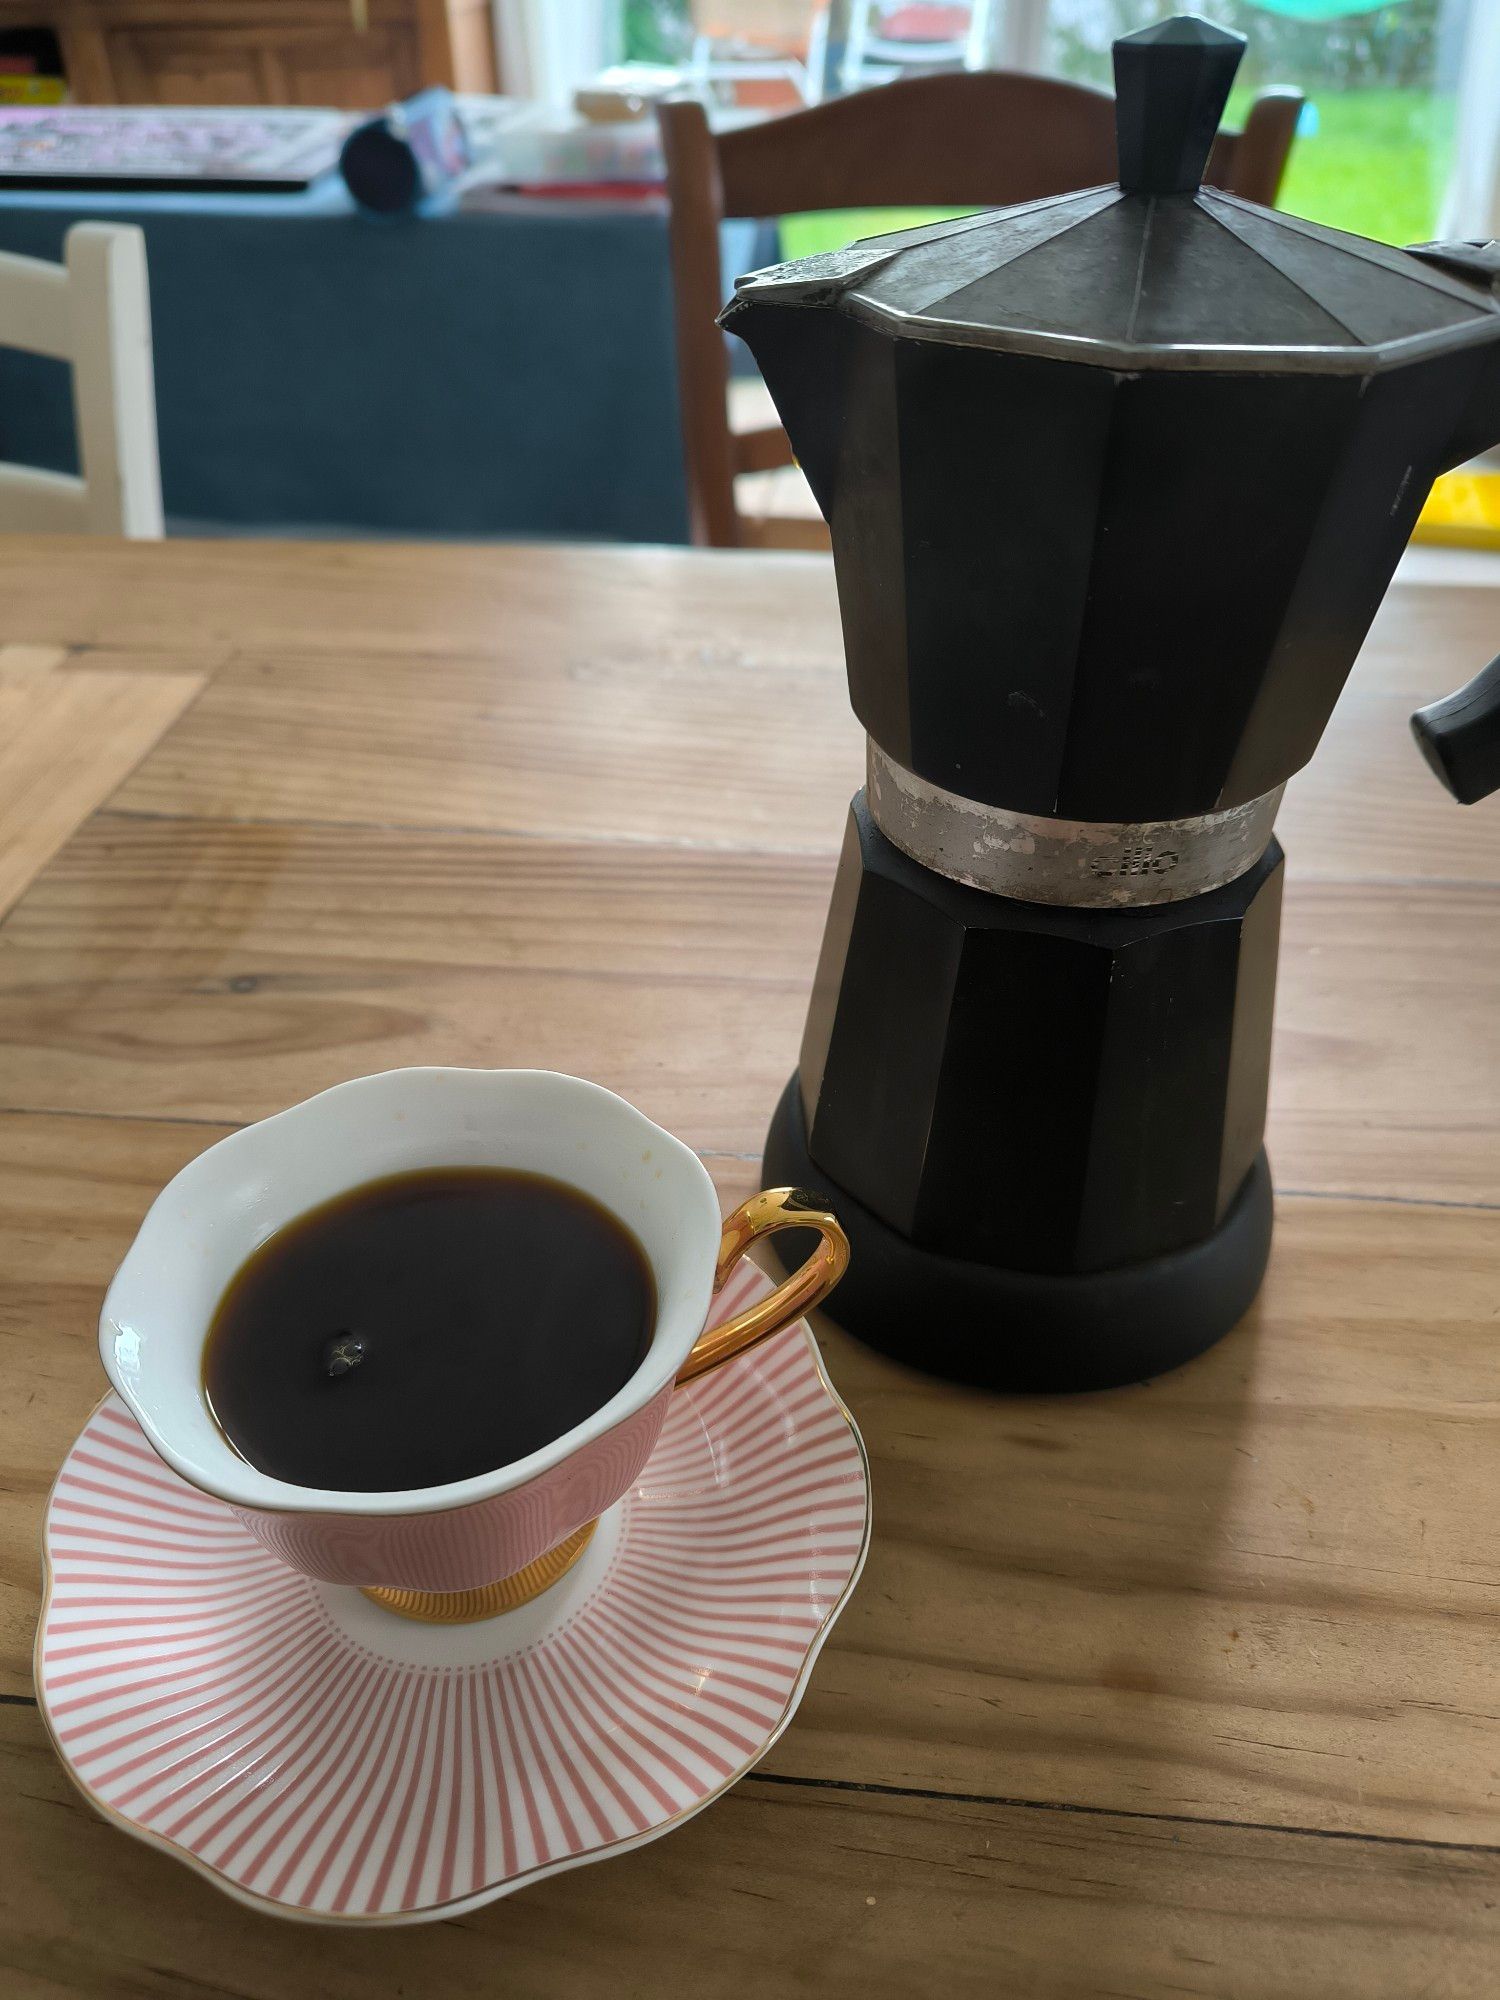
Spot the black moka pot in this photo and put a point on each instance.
(1116, 482)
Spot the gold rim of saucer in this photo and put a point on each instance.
(508, 1593)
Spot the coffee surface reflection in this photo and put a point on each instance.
(426, 1328)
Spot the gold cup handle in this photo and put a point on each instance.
(762, 1215)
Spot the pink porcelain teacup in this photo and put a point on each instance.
(479, 1545)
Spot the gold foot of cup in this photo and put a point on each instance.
(467, 1607)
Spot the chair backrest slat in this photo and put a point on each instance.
(94, 311)
(972, 139)
(114, 388)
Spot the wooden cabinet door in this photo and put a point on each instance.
(229, 64)
(165, 66)
(355, 72)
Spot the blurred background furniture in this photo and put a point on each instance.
(93, 312)
(493, 373)
(353, 53)
(755, 51)
(974, 139)
(520, 361)
(894, 38)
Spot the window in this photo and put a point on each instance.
(1376, 148)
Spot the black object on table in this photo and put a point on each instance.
(1116, 482)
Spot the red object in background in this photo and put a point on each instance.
(768, 93)
(923, 23)
(17, 65)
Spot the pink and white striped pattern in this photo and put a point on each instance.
(464, 1548)
(313, 1755)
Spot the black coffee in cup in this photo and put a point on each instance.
(427, 1328)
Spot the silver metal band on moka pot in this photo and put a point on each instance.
(1072, 863)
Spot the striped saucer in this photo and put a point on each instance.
(320, 1758)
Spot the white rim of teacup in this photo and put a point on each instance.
(682, 1307)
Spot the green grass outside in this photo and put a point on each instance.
(831, 229)
(1375, 165)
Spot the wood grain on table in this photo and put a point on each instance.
(68, 735)
(1188, 1688)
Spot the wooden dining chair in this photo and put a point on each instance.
(92, 310)
(973, 139)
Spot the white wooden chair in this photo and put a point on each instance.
(94, 311)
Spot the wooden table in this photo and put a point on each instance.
(1186, 1689)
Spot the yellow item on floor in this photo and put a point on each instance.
(1463, 509)
(32, 89)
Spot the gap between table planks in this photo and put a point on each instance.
(221, 970)
(613, 727)
(623, 738)
(1248, 1591)
(811, 1889)
(1185, 1610)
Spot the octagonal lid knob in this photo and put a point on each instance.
(1172, 82)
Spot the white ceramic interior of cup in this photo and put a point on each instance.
(228, 1201)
